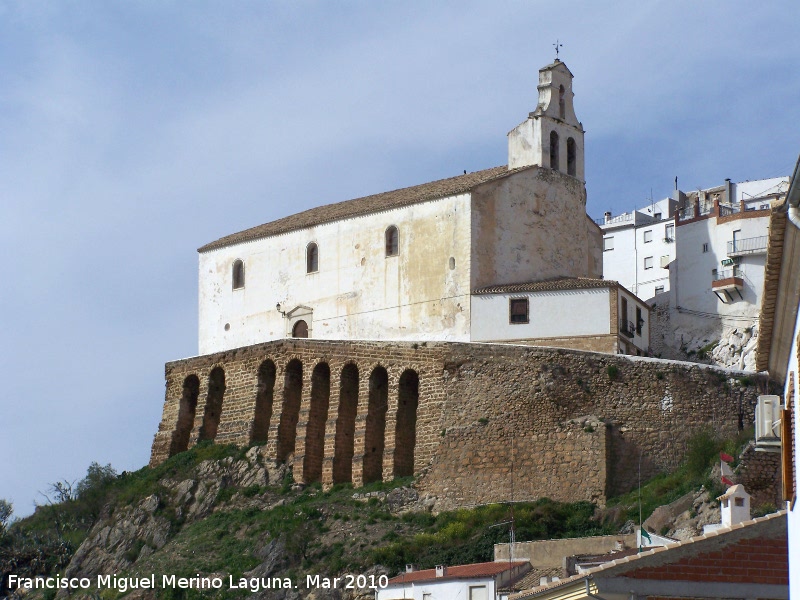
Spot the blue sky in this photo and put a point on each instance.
(133, 133)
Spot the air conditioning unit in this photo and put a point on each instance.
(768, 423)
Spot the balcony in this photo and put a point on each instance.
(725, 283)
(627, 328)
(753, 245)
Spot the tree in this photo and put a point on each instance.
(6, 510)
(97, 477)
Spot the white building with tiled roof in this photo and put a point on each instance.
(415, 263)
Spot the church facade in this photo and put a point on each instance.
(430, 262)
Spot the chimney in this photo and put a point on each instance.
(607, 216)
(410, 568)
(441, 570)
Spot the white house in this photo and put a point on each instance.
(407, 264)
(721, 247)
(638, 247)
(779, 350)
(479, 581)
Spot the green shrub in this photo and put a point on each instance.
(613, 372)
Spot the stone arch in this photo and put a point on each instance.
(290, 412)
(571, 157)
(346, 425)
(374, 437)
(554, 150)
(405, 437)
(317, 418)
(265, 392)
(213, 410)
(186, 413)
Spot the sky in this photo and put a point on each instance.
(132, 133)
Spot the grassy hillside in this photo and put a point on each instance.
(189, 515)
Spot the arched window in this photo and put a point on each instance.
(238, 274)
(571, 168)
(300, 329)
(554, 150)
(312, 258)
(562, 111)
(392, 241)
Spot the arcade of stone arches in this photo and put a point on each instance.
(281, 426)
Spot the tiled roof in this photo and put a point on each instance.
(772, 525)
(566, 283)
(772, 274)
(532, 578)
(472, 571)
(368, 204)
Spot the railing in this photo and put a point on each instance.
(624, 217)
(729, 209)
(686, 213)
(751, 245)
(726, 274)
(627, 328)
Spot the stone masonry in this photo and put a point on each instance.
(476, 423)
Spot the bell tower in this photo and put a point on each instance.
(551, 136)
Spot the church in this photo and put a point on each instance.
(507, 254)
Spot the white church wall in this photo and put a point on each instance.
(552, 314)
(530, 226)
(358, 292)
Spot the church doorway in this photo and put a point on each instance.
(300, 329)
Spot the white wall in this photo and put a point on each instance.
(626, 263)
(530, 226)
(794, 512)
(358, 292)
(694, 267)
(450, 589)
(557, 313)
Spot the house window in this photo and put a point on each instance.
(659, 289)
(392, 241)
(312, 258)
(669, 232)
(705, 247)
(478, 592)
(648, 262)
(562, 112)
(657, 216)
(518, 310)
(238, 274)
(639, 321)
(648, 236)
(608, 243)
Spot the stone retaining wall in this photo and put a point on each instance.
(484, 423)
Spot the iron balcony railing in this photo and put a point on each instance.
(726, 274)
(751, 245)
(686, 213)
(627, 328)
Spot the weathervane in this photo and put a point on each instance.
(557, 46)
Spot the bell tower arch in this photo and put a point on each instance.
(551, 136)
